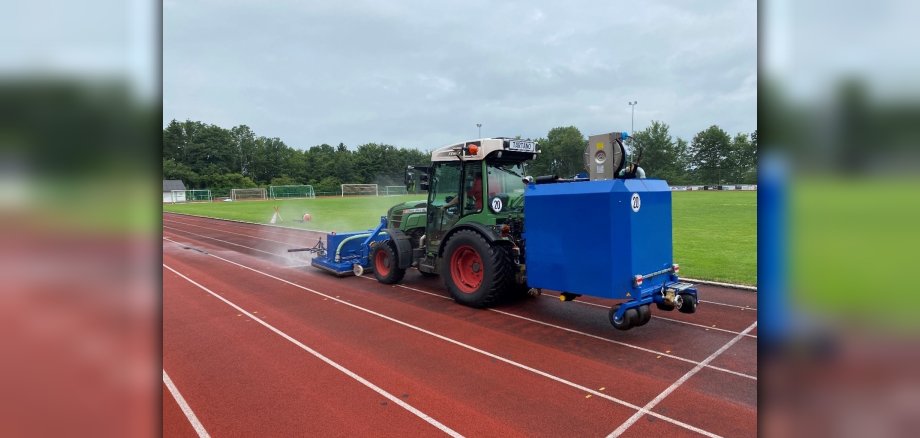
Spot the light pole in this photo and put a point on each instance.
(632, 128)
(479, 125)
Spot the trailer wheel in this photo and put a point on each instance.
(645, 315)
(386, 267)
(630, 317)
(687, 303)
(474, 271)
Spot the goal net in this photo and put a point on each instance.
(304, 191)
(243, 194)
(359, 190)
(191, 196)
(395, 190)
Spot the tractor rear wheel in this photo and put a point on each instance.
(386, 266)
(475, 271)
(630, 317)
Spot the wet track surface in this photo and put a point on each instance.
(256, 342)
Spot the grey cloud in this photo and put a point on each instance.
(422, 74)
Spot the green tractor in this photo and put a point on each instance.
(468, 231)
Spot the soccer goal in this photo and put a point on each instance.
(395, 190)
(244, 194)
(191, 196)
(290, 192)
(359, 190)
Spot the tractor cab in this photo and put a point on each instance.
(478, 183)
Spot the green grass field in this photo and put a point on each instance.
(715, 233)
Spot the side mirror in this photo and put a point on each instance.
(423, 182)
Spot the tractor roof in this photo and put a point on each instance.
(510, 147)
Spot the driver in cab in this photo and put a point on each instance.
(474, 193)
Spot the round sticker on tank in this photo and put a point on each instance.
(496, 204)
(635, 202)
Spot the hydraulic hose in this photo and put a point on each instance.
(338, 249)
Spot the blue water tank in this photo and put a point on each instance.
(593, 237)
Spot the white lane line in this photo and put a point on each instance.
(474, 349)
(658, 353)
(547, 296)
(730, 305)
(648, 407)
(328, 361)
(282, 229)
(661, 317)
(229, 232)
(647, 350)
(224, 241)
(186, 409)
(705, 326)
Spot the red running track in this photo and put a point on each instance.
(537, 367)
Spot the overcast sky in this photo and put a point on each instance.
(424, 73)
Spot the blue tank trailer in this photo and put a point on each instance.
(608, 237)
(621, 231)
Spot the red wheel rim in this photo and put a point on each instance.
(466, 269)
(382, 263)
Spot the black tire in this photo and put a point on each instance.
(630, 317)
(645, 315)
(665, 307)
(476, 273)
(385, 264)
(688, 304)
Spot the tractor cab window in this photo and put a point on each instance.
(506, 183)
(472, 188)
(445, 185)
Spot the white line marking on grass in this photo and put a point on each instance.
(719, 283)
(474, 349)
(648, 407)
(246, 222)
(186, 409)
(328, 361)
(624, 344)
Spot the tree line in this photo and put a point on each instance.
(212, 157)
(209, 156)
(711, 157)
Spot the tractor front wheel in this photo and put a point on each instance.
(386, 266)
(475, 272)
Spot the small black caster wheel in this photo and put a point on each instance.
(630, 317)
(686, 303)
(645, 315)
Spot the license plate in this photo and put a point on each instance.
(522, 146)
